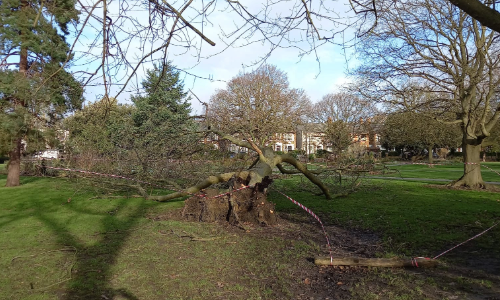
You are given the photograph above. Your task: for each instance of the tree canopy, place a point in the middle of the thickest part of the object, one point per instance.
(161, 120)
(418, 131)
(35, 88)
(157, 127)
(258, 105)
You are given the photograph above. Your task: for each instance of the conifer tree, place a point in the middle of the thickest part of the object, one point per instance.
(161, 123)
(35, 89)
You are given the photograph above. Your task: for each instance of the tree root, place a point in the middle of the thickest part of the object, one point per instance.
(463, 183)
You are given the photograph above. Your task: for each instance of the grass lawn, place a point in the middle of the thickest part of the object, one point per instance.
(58, 241)
(415, 218)
(446, 171)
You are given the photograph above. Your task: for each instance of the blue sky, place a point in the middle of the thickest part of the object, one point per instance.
(316, 79)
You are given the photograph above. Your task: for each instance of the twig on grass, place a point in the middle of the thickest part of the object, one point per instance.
(70, 271)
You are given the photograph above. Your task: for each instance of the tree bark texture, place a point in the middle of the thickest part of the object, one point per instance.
(14, 167)
(419, 262)
(472, 169)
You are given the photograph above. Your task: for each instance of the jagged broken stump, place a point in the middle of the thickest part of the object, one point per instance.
(247, 206)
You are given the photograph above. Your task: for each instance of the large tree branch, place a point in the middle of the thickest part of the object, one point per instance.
(299, 166)
(179, 15)
(291, 172)
(481, 12)
(196, 188)
(231, 138)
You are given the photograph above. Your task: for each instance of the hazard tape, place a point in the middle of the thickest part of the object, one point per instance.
(491, 169)
(105, 175)
(145, 182)
(477, 235)
(317, 218)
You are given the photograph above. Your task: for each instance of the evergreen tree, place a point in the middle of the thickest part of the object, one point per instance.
(162, 125)
(35, 90)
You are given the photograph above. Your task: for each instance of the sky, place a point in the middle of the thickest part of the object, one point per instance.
(318, 74)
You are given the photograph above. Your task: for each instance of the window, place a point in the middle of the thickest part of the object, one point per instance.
(290, 148)
(278, 147)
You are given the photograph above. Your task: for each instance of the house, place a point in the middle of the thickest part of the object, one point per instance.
(310, 138)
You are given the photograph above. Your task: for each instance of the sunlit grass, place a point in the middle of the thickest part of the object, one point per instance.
(413, 217)
(446, 171)
(59, 241)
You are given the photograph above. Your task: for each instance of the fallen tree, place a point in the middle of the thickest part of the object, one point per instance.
(256, 111)
(262, 168)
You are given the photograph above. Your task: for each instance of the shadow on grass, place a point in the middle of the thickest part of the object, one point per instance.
(91, 274)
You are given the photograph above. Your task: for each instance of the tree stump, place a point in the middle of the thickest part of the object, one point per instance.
(247, 206)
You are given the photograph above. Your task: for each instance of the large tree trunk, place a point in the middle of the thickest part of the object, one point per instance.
(472, 169)
(261, 169)
(14, 167)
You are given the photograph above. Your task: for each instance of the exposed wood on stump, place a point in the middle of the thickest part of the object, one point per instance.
(377, 262)
(245, 206)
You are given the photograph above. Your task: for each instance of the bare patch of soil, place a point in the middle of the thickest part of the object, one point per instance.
(459, 276)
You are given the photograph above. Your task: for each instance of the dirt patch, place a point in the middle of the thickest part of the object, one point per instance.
(457, 277)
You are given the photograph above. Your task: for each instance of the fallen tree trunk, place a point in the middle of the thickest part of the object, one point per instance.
(419, 262)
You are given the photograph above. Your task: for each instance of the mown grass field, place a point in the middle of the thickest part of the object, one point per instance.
(450, 171)
(61, 239)
(414, 218)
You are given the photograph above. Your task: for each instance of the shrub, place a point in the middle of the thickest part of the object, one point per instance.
(295, 153)
(320, 153)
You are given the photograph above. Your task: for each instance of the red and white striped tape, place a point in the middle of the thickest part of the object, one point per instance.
(491, 169)
(477, 235)
(105, 175)
(145, 182)
(317, 218)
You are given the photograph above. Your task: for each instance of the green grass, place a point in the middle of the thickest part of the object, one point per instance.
(447, 171)
(57, 241)
(414, 218)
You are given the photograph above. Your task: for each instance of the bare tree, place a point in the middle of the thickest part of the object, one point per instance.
(343, 106)
(430, 56)
(249, 113)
